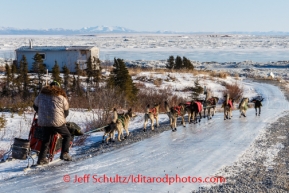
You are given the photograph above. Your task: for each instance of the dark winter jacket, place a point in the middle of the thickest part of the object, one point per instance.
(52, 107)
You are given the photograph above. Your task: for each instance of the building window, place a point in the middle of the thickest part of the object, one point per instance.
(42, 56)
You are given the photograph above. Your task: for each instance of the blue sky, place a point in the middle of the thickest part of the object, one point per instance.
(148, 15)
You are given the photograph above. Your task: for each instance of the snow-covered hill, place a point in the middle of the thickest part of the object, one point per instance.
(61, 31)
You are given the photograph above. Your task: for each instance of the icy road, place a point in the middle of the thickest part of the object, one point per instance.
(196, 150)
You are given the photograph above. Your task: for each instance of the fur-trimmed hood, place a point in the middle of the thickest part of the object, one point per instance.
(53, 91)
(52, 104)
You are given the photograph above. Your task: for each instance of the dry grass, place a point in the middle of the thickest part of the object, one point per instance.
(135, 71)
(102, 101)
(151, 96)
(236, 75)
(140, 85)
(207, 74)
(184, 71)
(3, 122)
(161, 71)
(222, 75)
(187, 89)
(157, 82)
(2, 68)
(199, 72)
(15, 104)
(213, 74)
(278, 79)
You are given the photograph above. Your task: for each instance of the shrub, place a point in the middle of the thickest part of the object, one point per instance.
(101, 102)
(150, 96)
(235, 91)
(140, 85)
(16, 103)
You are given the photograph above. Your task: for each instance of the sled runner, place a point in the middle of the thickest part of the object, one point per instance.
(35, 166)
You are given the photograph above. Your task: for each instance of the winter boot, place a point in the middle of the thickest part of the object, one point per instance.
(66, 157)
(42, 161)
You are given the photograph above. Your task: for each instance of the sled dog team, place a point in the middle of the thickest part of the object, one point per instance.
(193, 108)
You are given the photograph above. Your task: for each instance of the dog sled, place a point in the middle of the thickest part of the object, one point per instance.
(36, 136)
(23, 149)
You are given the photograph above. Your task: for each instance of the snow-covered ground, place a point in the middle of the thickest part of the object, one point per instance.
(203, 48)
(254, 55)
(197, 150)
(200, 150)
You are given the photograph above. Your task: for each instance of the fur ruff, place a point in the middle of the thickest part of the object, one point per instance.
(53, 90)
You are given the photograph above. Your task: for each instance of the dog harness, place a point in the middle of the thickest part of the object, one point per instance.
(153, 111)
(121, 118)
(211, 100)
(230, 103)
(178, 109)
(199, 104)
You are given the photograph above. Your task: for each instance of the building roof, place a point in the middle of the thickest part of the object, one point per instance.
(53, 48)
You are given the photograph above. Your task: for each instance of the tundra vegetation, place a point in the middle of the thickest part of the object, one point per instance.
(93, 90)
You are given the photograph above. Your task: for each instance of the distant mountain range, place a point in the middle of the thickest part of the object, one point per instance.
(113, 29)
(61, 31)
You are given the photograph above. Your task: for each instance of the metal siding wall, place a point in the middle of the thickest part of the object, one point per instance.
(71, 57)
(62, 57)
(29, 58)
(53, 56)
(67, 58)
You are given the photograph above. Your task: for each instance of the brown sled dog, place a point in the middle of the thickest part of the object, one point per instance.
(228, 106)
(152, 114)
(175, 112)
(119, 123)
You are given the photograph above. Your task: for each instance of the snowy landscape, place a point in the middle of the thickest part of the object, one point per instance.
(200, 150)
(242, 54)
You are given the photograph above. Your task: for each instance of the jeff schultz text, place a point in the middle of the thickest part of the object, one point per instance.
(169, 179)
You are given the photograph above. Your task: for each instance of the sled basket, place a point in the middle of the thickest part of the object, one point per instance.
(20, 148)
(36, 136)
